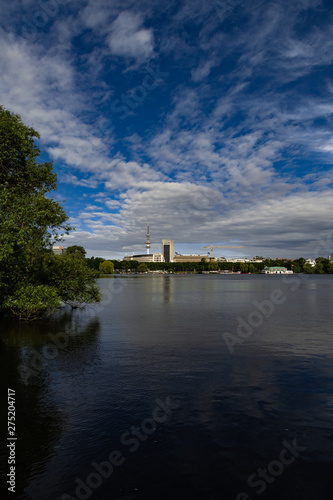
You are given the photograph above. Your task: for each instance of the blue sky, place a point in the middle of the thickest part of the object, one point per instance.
(212, 121)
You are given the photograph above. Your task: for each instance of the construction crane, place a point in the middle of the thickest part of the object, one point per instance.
(220, 246)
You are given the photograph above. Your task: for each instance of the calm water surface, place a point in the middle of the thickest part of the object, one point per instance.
(195, 387)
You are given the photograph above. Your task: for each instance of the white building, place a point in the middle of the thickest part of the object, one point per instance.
(58, 250)
(276, 270)
(153, 257)
(241, 259)
(190, 258)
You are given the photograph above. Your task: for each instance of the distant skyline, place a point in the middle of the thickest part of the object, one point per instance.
(211, 120)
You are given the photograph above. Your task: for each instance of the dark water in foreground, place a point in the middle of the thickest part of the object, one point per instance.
(147, 380)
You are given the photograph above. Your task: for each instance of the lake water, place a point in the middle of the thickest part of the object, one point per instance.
(176, 387)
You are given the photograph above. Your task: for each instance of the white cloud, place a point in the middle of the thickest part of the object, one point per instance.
(194, 214)
(204, 167)
(204, 69)
(41, 87)
(129, 39)
(124, 175)
(73, 180)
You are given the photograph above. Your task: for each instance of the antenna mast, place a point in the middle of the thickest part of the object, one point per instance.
(148, 240)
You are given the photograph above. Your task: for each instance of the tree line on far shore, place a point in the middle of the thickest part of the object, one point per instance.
(323, 266)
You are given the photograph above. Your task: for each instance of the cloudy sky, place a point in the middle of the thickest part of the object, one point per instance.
(211, 120)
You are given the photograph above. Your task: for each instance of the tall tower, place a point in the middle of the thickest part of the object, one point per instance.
(148, 240)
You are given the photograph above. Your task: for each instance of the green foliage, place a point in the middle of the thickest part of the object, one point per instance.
(31, 221)
(125, 264)
(18, 155)
(94, 262)
(142, 268)
(243, 267)
(300, 264)
(30, 217)
(106, 267)
(319, 268)
(33, 301)
(212, 266)
(329, 268)
(76, 249)
(325, 266)
(134, 264)
(198, 267)
(308, 269)
(296, 267)
(73, 280)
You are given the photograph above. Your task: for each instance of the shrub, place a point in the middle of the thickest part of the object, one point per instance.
(33, 301)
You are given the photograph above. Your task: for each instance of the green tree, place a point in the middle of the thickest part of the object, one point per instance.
(142, 268)
(243, 267)
(251, 269)
(94, 262)
(301, 262)
(76, 249)
(125, 264)
(134, 264)
(319, 268)
(31, 221)
(203, 265)
(295, 267)
(212, 266)
(329, 268)
(106, 267)
(74, 280)
(308, 269)
(325, 263)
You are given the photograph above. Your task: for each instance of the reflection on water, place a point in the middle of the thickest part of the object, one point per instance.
(33, 357)
(86, 377)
